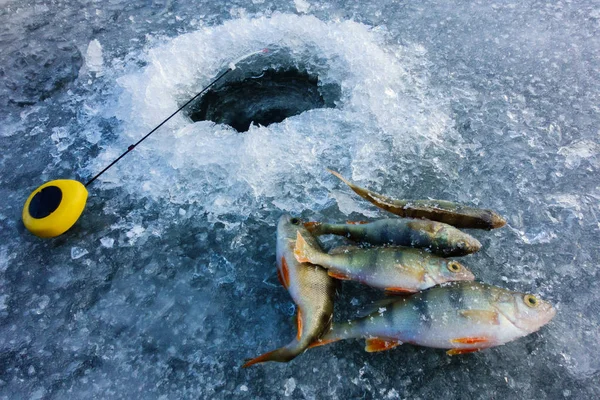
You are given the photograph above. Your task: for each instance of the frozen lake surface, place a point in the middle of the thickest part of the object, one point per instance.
(168, 282)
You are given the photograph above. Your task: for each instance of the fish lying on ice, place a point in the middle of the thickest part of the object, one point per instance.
(311, 288)
(437, 237)
(462, 316)
(395, 269)
(451, 213)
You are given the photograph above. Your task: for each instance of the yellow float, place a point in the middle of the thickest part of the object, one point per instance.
(54, 207)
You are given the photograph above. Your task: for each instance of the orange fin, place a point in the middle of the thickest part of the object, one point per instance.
(321, 342)
(481, 316)
(311, 226)
(338, 275)
(454, 352)
(299, 323)
(280, 278)
(300, 249)
(285, 273)
(357, 222)
(260, 359)
(398, 291)
(377, 344)
(470, 340)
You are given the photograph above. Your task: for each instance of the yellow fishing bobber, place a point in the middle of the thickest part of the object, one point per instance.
(54, 207)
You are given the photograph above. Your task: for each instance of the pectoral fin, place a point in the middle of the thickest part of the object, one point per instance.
(377, 344)
(338, 275)
(299, 323)
(481, 316)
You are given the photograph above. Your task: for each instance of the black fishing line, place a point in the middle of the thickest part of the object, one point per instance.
(133, 146)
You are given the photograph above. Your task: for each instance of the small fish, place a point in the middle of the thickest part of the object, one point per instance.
(395, 269)
(451, 213)
(462, 316)
(311, 288)
(437, 237)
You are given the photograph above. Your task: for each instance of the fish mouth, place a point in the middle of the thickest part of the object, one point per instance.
(264, 94)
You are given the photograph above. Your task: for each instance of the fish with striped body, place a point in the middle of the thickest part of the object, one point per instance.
(311, 288)
(451, 213)
(461, 316)
(395, 269)
(439, 238)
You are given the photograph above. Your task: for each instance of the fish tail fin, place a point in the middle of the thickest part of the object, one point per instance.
(283, 354)
(304, 251)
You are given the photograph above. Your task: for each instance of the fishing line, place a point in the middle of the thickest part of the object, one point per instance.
(54, 207)
(230, 68)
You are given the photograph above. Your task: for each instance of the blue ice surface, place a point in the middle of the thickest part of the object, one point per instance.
(167, 283)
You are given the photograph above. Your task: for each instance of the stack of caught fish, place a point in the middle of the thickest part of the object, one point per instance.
(439, 305)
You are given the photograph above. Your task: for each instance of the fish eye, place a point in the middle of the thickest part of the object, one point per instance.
(530, 300)
(295, 221)
(453, 266)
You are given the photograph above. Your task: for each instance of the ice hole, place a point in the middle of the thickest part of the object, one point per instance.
(270, 97)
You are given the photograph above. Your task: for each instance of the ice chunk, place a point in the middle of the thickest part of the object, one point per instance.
(302, 6)
(290, 386)
(107, 242)
(93, 57)
(349, 203)
(580, 150)
(78, 252)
